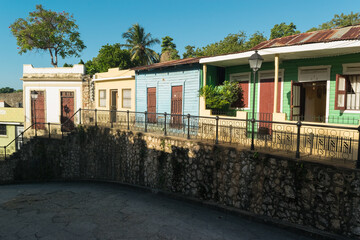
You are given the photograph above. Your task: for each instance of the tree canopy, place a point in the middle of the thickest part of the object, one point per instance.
(283, 30)
(110, 56)
(46, 30)
(139, 43)
(7, 90)
(341, 20)
(231, 43)
(168, 50)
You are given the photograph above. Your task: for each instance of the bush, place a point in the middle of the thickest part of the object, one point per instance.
(222, 96)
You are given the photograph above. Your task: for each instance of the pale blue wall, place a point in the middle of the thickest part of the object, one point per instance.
(163, 80)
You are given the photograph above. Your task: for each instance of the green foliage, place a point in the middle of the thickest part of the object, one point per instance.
(168, 51)
(189, 52)
(230, 44)
(68, 65)
(283, 30)
(46, 30)
(139, 43)
(341, 20)
(221, 97)
(254, 40)
(167, 44)
(7, 90)
(110, 56)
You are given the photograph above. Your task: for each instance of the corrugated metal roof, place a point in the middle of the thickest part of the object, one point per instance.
(328, 35)
(168, 64)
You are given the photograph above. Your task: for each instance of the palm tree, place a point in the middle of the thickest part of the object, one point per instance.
(138, 43)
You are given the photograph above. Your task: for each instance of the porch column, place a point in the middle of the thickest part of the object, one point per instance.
(276, 81)
(204, 74)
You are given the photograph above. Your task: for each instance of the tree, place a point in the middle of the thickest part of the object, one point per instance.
(189, 52)
(341, 20)
(68, 65)
(283, 30)
(254, 40)
(139, 43)
(7, 90)
(168, 50)
(46, 30)
(231, 43)
(110, 56)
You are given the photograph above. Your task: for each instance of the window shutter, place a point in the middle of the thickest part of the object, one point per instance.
(340, 92)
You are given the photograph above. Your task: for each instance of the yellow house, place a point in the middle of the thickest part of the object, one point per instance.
(114, 90)
(11, 125)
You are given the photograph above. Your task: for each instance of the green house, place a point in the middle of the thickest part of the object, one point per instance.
(11, 125)
(312, 77)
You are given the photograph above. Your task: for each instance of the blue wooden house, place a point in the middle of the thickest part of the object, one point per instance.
(171, 87)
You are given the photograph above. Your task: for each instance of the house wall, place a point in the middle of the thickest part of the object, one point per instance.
(52, 81)
(290, 68)
(52, 98)
(118, 85)
(10, 117)
(163, 80)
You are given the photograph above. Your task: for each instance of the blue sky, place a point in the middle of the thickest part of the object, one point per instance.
(196, 22)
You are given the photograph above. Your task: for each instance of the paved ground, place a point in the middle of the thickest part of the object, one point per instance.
(107, 211)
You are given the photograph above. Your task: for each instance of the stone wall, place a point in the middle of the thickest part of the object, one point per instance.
(318, 196)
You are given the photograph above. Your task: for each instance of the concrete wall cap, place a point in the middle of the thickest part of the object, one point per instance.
(77, 68)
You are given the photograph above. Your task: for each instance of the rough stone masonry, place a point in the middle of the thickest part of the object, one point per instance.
(315, 195)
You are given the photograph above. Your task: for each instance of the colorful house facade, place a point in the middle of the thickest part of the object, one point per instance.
(52, 95)
(313, 77)
(114, 90)
(11, 125)
(171, 87)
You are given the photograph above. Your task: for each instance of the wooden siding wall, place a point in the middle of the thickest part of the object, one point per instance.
(291, 73)
(186, 76)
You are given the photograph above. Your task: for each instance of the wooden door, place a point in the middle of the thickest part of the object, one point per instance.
(176, 105)
(67, 111)
(38, 110)
(113, 104)
(266, 107)
(151, 105)
(295, 101)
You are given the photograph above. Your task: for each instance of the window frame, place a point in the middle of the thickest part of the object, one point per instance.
(100, 105)
(122, 98)
(248, 77)
(1, 134)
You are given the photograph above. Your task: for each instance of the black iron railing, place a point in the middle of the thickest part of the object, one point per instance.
(44, 129)
(300, 138)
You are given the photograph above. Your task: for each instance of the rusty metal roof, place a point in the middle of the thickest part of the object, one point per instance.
(168, 64)
(328, 35)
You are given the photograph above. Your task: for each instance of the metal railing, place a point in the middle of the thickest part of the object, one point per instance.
(299, 138)
(45, 131)
(305, 139)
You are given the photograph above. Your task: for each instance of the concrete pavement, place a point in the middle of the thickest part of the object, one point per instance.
(108, 211)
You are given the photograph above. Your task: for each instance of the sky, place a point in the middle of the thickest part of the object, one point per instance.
(188, 22)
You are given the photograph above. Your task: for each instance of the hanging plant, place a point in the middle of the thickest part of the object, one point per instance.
(222, 96)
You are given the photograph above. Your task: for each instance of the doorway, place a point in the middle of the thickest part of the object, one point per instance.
(266, 106)
(113, 104)
(67, 111)
(38, 110)
(151, 105)
(176, 106)
(308, 101)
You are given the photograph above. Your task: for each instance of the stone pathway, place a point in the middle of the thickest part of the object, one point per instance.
(108, 211)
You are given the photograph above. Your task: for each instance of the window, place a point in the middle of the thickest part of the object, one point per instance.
(126, 98)
(243, 80)
(347, 95)
(102, 98)
(2, 130)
